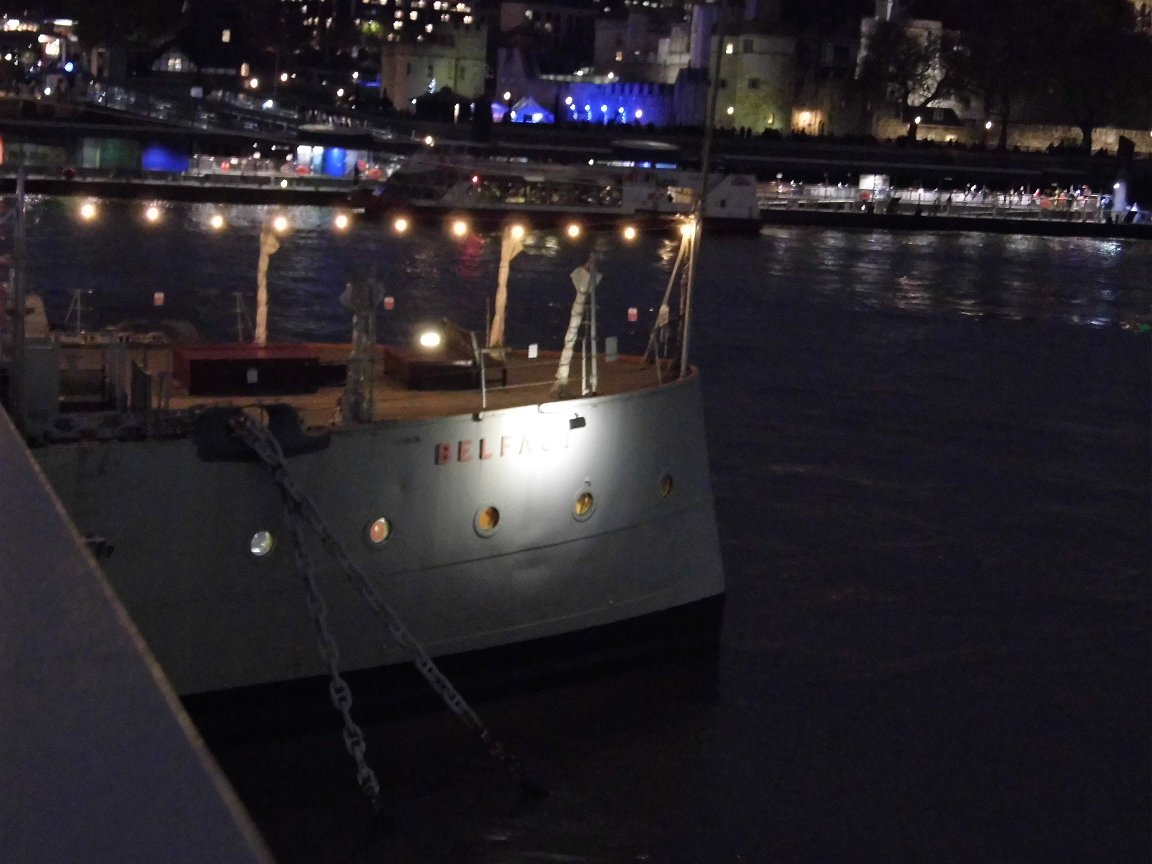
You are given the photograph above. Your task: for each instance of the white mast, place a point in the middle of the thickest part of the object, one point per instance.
(268, 246)
(584, 278)
(510, 247)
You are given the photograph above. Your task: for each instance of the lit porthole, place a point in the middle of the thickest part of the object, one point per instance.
(379, 530)
(487, 521)
(666, 485)
(583, 506)
(261, 544)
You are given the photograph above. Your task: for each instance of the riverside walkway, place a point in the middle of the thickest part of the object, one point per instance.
(99, 764)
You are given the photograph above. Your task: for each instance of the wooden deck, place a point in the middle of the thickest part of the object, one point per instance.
(512, 381)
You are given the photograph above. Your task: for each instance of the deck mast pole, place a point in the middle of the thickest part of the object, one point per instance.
(16, 380)
(511, 245)
(268, 246)
(705, 160)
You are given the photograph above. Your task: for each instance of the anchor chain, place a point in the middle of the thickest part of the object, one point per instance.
(338, 690)
(265, 445)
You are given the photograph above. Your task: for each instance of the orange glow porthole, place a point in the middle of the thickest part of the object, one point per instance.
(379, 530)
(583, 506)
(486, 521)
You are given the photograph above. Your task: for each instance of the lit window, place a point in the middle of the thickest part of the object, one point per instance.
(729, 48)
(226, 36)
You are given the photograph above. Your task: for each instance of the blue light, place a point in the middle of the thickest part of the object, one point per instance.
(156, 157)
(68, 67)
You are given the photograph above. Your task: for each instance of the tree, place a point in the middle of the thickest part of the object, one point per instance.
(103, 22)
(1005, 64)
(914, 67)
(1081, 62)
(1097, 67)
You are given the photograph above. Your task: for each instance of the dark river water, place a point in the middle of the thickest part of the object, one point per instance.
(932, 461)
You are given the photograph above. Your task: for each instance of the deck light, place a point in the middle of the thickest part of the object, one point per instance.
(629, 232)
(152, 214)
(430, 339)
(459, 228)
(429, 141)
(573, 230)
(280, 224)
(88, 211)
(688, 229)
(517, 231)
(217, 221)
(400, 225)
(341, 222)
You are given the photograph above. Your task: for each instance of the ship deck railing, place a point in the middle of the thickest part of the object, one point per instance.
(143, 394)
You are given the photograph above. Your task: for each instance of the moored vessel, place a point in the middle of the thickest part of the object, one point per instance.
(490, 192)
(485, 503)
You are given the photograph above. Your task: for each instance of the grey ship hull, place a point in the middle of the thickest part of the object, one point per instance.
(217, 618)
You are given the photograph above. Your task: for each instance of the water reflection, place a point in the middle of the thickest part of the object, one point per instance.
(123, 260)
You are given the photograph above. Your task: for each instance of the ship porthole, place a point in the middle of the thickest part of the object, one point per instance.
(486, 522)
(261, 544)
(583, 506)
(666, 485)
(379, 530)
